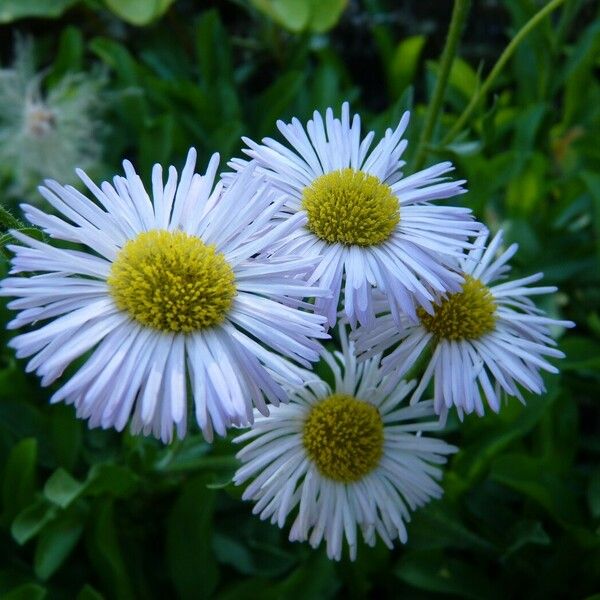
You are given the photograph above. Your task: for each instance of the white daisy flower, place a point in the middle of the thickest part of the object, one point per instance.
(168, 298)
(484, 339)
(365, 219)
(343, 457)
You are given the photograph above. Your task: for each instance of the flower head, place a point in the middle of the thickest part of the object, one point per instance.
(45, 134)
(166, 297)
(347, 456)
(372, 227)
(486, 338)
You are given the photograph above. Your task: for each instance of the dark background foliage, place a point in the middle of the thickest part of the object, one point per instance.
(95, 514)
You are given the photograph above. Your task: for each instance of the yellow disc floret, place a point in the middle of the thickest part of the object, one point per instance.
(172, 281)
(466, 315)
(351, 207)
(343, 436)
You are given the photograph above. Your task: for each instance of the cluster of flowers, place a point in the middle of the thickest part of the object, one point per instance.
(223, 292)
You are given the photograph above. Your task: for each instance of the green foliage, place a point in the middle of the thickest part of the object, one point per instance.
(95, 514)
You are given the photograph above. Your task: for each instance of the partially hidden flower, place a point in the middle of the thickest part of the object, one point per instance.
(343, 458)
(167, 299)
(373, 227)
(486, 339)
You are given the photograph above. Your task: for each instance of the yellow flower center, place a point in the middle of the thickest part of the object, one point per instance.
(172, 281)
(466, 315)
(343, 436)
(351, 207)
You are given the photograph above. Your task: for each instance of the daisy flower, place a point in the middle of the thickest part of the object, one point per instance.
(43, 133)
(167, 297)
(364, 218)
(487, 338)
(343, 457)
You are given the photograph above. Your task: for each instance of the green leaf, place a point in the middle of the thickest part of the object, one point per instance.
(404, 63)
(18, 483)
(273, 102)
(62, 489)
(314, 578)
(55, 543)
(231, 551)
(30, 521)
(431, 574)
(27, 591)
(105, 552)
(325, 14)
(87, 592)
(593, 494)
(527, 532)
(213, 50)
(592, 182)
(12, 10)
(312, 15)
(65, 436)
(110, 479)
(293, 15)
(496, 433)
(438, 526)
(532, 477)
(139, 12)
(190, 558)
(69, 57)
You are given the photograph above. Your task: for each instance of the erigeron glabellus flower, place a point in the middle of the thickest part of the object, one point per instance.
(346, 457)
(487, 338)
(43, 134)
(365, 219)
(167, 293)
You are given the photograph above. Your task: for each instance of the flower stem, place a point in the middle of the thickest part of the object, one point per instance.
(8, 221)
(459, 16)
(504, 58)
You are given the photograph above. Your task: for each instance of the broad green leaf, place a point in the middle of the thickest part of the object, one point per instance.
(30, 521)
(112, 480)
(292, 14)
(231, 551)
(463, 78)
(273, 102)
(61, 488)
(65, 436)
(438, 526)
(12, 10)
(313, 578)
(18, 483)
(69, 57)
(190, 558)
(532, 477)
(324, 14)
(403, 66)
(514, 422)
(89, 593)
(527, 532)
(139, 12)
(593, 494)
(592, 182)
(104, 550)
(303, 15)
(446, 576)
(55, 543)
(27, 591)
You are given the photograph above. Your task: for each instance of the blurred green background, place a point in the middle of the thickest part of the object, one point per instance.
(94, 514)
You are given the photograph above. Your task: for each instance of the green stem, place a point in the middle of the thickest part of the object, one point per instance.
(504, 58)
(7, 221)
(459, 16)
